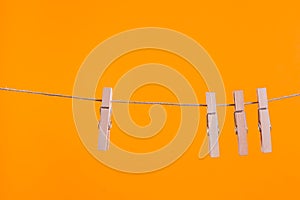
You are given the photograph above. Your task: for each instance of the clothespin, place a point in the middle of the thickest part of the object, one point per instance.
(105, 119)
(264, 124)
(241, 128)
(212, 124)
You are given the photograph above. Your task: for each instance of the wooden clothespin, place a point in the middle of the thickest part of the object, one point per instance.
(105, 119)
(212, 124)
(241, 128)
(264, 124)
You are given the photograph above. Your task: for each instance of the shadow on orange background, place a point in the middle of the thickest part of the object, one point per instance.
(43, 44)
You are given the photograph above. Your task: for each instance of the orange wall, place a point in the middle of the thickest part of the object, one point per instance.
(254, 44)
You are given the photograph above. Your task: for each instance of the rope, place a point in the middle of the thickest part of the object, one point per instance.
(137, 102)
(49, 94)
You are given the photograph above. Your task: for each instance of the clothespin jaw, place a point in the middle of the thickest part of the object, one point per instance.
(240, 122)
(264, 124)
(105, 119)
(212, 124)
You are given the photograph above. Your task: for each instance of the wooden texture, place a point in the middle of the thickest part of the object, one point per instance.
(212, 124)
(105, 119)
(240, 122)
(264, 120)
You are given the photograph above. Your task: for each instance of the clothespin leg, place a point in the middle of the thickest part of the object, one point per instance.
(242, 134)
(266, 143)
(213, 133)
(103, 142)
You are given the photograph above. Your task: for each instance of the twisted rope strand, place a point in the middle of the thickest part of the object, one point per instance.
(137, 102)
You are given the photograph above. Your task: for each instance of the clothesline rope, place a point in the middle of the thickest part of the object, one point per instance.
(136, 102)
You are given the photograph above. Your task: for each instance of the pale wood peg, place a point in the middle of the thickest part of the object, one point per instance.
(105, 120)
(264, 124)
(212, 124)
(241, 128)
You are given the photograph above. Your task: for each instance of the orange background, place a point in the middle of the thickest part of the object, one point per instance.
(254, 44)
